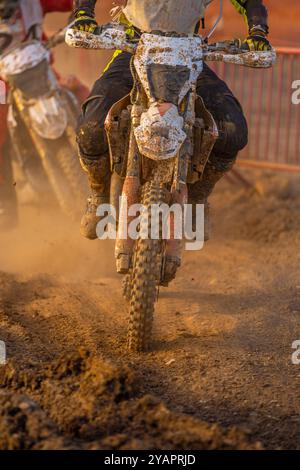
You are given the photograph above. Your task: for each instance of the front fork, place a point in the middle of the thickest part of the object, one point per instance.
(175, 178)
(179, 191)
(130, 196)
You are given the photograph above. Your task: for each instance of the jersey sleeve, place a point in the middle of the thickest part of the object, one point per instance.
(254, 12)
(85, 4)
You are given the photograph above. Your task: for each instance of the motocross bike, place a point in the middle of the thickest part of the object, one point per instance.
(160, 139)
(42, 120)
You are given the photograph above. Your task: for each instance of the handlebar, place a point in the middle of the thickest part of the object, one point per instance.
(110, 36)
(230, 52)
(113, 36)
(57, 39)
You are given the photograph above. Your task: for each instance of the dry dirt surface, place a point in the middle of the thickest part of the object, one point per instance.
(220, 375)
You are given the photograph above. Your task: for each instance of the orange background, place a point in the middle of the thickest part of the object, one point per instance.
(284, 31)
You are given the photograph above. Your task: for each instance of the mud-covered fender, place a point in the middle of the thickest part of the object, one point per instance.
(160, 135)
(48, 117)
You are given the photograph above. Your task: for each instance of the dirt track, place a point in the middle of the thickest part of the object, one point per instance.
(223, 336)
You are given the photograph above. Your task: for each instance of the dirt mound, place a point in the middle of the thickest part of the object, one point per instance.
(269, 214)
(222, 335)
(96, 405)
(23, 425)
(270, 222)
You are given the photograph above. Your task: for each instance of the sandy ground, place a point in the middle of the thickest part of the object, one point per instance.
(223, 335)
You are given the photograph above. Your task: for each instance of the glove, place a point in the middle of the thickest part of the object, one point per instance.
(257, 40)
(85, 21)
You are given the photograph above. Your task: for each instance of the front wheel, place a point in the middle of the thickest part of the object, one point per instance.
(146, 273)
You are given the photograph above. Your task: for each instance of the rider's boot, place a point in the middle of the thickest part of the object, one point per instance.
(200, 191)
(99, 174)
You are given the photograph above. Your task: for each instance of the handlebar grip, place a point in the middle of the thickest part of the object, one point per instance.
(253, 59)
(103, 38)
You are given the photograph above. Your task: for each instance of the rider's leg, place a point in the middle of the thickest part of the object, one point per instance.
(233, 136)
(115, 83)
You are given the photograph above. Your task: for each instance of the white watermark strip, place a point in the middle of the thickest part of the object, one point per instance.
(174, 222)
(296, 354)
(2, 353)
(296, 93)
(2, 92)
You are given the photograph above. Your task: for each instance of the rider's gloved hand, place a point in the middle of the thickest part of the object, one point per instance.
(257, 40)
(85, 21)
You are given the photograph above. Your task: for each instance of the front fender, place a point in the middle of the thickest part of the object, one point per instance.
(160, 135)
(48, 117)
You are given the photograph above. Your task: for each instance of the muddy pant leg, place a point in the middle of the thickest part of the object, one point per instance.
(233, 132)
(115, 83)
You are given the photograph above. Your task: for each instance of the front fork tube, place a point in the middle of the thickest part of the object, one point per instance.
(179, 191)
(179, 196)
(131, 193)
(130, 196)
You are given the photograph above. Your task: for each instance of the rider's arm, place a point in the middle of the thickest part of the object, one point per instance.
(87, 5)
(254, 12)
(84, 14)
(256, 16)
